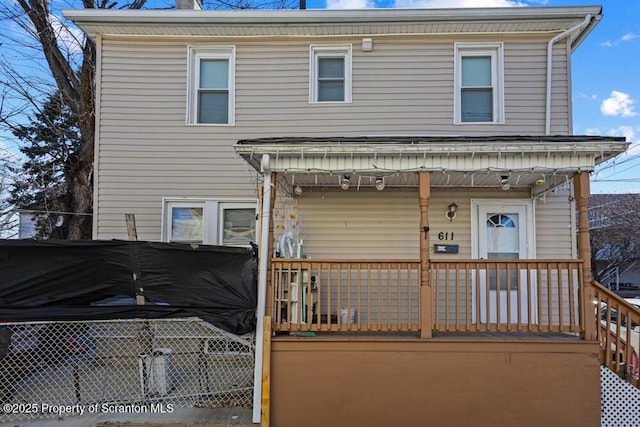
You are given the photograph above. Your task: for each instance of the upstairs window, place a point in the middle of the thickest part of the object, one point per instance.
(330, 73)
(211, 85)
(210, 222)
(479, 83)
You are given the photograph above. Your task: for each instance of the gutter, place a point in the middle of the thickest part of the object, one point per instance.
(320, 16)
(263, 258)
(609, 145)
(567, 33)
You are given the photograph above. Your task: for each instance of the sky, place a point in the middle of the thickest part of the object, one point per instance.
(605, 79)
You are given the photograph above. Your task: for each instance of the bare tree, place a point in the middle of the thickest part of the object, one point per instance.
(41, 37)
(42, 54)
(614, 227)
(8, 215)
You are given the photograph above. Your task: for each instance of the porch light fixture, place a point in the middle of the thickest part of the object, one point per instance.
(504, 183)
(451, 211)
(379, 184)
(297, 190)
(345, 183)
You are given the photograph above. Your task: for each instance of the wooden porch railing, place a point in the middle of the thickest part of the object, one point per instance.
(345, 295)
(618, 332)
(468, 295)
(506, 295)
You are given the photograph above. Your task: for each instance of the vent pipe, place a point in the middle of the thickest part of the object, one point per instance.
(189, 4)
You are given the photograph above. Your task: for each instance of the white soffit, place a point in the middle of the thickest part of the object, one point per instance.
(251, 23)
(462, 156)
(399, 163)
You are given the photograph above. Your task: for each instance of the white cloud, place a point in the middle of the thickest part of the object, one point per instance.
(629, 36)
(350, 4)
(457, 3)
(588, 97)
(618, 104)
(627, 131)
(625, 38)
(70, 38)
(6, 155)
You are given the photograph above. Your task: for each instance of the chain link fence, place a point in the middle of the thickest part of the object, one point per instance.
(71, 368)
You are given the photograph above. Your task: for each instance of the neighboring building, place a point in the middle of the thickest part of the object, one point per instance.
(421, 184)
(613, 221)
(28, 225)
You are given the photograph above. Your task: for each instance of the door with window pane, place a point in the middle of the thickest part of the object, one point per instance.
(507, 294)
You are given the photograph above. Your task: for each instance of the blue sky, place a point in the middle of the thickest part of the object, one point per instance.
(606, 75)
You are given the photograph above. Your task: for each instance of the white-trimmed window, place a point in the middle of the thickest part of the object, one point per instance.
(211, 222)
(479, 83)
(330, 73)
(211, 85)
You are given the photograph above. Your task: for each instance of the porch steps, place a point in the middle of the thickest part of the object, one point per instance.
(619, 400)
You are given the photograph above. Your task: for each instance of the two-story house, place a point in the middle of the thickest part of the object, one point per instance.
(411, 178)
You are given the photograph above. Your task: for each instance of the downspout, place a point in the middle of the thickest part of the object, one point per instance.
(263, 259)
(566, 33)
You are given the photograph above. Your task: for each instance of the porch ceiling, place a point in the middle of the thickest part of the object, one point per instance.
(533, 161)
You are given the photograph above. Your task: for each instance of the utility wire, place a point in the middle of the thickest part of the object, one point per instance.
(51, 212)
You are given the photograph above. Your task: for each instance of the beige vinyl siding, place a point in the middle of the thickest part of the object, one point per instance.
(561, 123)
(147, 152)
(362, 224)
(555, 226)
(555, 238)
(370, 224)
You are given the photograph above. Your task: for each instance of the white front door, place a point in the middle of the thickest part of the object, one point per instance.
(505, 231)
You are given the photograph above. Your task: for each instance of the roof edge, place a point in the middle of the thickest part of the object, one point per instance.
(332, 16)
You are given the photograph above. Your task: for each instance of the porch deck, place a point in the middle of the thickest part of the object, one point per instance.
(437, 336)
(400, 379)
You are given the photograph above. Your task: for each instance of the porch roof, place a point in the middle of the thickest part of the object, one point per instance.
(454, 160)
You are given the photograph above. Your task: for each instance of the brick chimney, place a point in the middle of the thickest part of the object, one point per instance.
(189, 4)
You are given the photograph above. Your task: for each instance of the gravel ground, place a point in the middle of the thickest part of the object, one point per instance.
(196, 417)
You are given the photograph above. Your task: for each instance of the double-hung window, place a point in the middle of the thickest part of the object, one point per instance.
(330, 73)
(211, 222)
(479, 82)
(211, 85)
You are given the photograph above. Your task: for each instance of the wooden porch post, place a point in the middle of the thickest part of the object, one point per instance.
(426, 296)
(270, 296)
(582, 192)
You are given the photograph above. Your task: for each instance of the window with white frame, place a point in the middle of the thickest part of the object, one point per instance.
(211, 85)
(211, 222)
(330, 73)
(479, 83)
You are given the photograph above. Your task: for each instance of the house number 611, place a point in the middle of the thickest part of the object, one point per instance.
(445, 236)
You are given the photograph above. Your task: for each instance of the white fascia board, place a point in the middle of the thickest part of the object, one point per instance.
(325, 15)
(441, 148)
(526, 157)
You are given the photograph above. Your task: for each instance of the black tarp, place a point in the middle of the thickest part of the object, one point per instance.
(66, 280)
